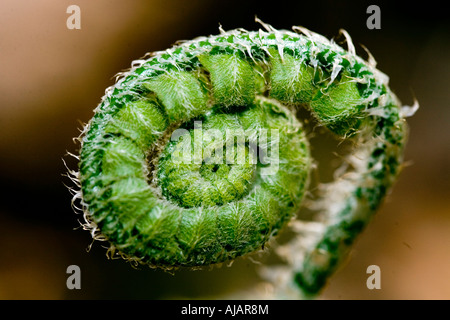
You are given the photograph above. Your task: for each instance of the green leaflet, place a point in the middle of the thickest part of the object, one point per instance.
(180, 94)
(232, 79)
(195, 156)
(291, 79)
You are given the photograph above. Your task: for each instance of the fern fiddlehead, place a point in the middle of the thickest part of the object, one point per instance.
(151, 186)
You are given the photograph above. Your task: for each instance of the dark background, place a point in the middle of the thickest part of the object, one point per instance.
(52, 78)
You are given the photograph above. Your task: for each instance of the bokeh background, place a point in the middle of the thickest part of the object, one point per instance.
(52, 78)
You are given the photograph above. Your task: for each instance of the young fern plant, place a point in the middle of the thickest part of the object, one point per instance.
(148, 183)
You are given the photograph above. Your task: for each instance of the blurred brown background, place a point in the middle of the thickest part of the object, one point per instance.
(52, 78)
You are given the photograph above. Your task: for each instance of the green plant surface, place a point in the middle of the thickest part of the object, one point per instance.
(156, 208)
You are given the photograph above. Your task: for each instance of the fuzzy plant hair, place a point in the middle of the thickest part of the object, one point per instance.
(154, 205)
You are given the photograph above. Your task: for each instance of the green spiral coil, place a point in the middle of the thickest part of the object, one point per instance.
(195, 155)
